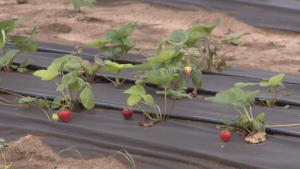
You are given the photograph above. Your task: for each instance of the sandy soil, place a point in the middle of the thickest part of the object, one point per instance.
(29, 153)
(269, 50)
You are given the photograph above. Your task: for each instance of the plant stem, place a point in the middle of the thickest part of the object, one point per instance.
(165, 112)
(107, 78)
(61, 91)
(157, 116)
(3, 156)
(132, 75)
(187, 81)
(278, 126)
(125, 55)
(171, 109)
(247, 114)
(12, 105)
(271, 97)
(238, 110)
(228, 51)
(144, 111)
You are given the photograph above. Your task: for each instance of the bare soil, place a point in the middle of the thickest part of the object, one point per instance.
(30, 153)
(269, 50)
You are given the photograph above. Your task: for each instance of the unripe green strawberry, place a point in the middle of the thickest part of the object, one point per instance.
(55, 117)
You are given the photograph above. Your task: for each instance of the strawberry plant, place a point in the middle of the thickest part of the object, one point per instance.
(24, 44)
(273, 82)
(164, 77)
(246, 124)
(1, 147)
(70, 82)
(116, 42)
(115, 68)
(234, 40)
(79, 3)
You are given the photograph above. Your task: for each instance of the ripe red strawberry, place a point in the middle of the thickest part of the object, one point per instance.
(225, 135)
(65, 116)
(127, 113)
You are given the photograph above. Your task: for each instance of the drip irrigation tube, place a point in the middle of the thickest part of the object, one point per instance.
(174, 116)
(132, 81)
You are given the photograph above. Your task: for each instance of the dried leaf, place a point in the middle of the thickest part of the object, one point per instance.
(146, 124)
(256, 138)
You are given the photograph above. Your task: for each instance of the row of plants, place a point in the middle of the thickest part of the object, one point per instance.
(179, 59)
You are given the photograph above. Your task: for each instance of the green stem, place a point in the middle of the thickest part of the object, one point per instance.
(165, 102)
(271, 97)
(278, 126)
(187, 81)
(61, 92)
(247, 114)
(107, 78)
(3, 156)
(125, 55)
(171, 109)
(144, 112)
(131, 75)
(238, 110)
(4, 50)
(117, 77)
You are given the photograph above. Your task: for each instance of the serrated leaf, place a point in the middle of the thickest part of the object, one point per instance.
(87, 98)
(78, 85)
(98, 61)
(134, 99)
(228, 122)
(197, 78)
(144, 66)
(275, 80)
(288, 94)
(149, 100)
(136, 90)
(44, 103)
(45, 74)
(101, 42)
(72, 65)
(87, 67)
(256, 125)
(65, 79)
(164, 56)
(5, 24)
(25, 63)
(178, 37)
(7, 57)
(28, 48)
(125, 31)
(242, 85)
(260, 117)
(58, 101)
(26, 100)
(233, 96)
(161, 76)
(61, 87)
(21, 70)
(178, 95)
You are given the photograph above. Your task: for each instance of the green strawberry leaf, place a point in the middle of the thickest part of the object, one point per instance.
(134, 99)
(228, 122)
(178, 37)
(136, 90)
(25, 63)
(78, 85)
(87, 67)
(58, 101)
(242, 85)
(197, 78)
(260, 117)
(87, 98)
(149, 100)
